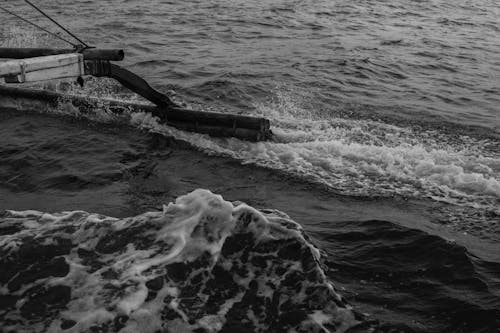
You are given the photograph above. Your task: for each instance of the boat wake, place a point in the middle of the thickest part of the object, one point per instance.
(365, 157)
(360, 157)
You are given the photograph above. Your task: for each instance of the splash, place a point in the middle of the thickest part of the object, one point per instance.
(203, 264)
(364, 157)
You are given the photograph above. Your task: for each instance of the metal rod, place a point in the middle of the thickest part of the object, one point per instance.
(55, 22)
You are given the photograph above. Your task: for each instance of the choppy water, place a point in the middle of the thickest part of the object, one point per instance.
(387, 112)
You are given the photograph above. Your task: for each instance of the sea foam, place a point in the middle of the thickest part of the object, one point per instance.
(361, 157)
(202, 264)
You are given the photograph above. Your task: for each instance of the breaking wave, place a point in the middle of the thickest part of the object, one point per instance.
(365, 157)
(203, 264)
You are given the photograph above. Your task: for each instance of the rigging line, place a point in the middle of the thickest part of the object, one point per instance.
(39, 27)
(56, 23)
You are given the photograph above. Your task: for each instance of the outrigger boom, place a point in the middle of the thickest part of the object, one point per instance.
(88, 54)
(45, 64)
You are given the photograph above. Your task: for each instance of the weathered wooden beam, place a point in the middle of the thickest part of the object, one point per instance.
(88, 54)
(42, 68)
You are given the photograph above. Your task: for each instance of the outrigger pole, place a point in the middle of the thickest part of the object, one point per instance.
(45, 64)
(88, 53)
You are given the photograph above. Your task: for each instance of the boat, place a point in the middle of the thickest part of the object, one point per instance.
(25, 65)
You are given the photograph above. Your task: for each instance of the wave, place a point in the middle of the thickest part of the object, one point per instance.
(202, 264)
(381, 264)
(362, 157)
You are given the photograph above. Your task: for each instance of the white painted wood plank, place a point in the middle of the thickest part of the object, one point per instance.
(67, 71)
(13, 67)
(9, 68)
(43, 68)
(35, 64)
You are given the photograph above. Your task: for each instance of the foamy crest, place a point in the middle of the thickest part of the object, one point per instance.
(366, 158)
(200, 265)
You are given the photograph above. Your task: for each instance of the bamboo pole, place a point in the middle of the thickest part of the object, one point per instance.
(212, 123)
(88, 54)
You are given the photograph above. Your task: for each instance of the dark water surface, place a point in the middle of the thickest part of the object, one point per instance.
(387, 148)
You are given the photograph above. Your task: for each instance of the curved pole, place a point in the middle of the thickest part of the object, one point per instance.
(129, 80)
(140, 86)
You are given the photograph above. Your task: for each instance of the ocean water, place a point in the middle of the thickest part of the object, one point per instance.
(386, 145)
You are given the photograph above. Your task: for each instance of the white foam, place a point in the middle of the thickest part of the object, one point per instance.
(363, 157)
(108, 278)
(133, 300)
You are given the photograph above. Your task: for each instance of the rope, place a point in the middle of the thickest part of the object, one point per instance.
(56, 23)
(37, 26)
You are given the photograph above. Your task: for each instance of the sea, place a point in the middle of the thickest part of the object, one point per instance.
(383, 172)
